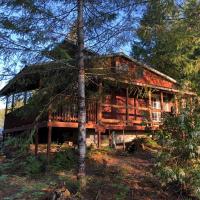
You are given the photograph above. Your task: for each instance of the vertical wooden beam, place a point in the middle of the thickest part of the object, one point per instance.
(124, 147)
(36, 142)
(99, 111)
(110, 138)
(6, 109)
(150, 111)
(162, 101)
(176, 104)
(49, 142)
(99, 139)
(13, 100)
(135, 108)
(25, 97)
(127, 111)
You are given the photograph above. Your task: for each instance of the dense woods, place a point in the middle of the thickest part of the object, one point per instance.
(65, 52)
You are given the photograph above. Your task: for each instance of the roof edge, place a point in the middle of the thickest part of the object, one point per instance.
(142, 65)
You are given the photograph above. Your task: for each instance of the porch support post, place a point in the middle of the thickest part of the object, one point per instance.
(161, 103)
(25, 97)
(135, 108)
(124, 145)
(99, 139)
(13, 99)
(150, 111)
(176, 104)
(110, 138)
(49, 142)
(127, 113)
(36, 142)
(99, 112)
(6, 109)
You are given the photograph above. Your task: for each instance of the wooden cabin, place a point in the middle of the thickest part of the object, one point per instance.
(124, 96)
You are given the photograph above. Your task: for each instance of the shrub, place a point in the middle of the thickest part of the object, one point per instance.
(64, 160)
(178, 162)
(35, 166)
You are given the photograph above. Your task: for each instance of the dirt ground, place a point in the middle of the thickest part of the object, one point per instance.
(111, 175)
(134, 175)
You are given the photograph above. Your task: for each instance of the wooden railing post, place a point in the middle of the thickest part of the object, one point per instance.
(36, 142)
(50, 114)
(25, 97)
(49, 142)
(127, 111)
(162, 103)
(99, 139)
(6, 109)
(13, 99)
(135, 107)
(150, 110)
(99, 110)
(176, 104)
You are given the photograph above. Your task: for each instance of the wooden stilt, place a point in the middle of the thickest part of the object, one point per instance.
(6, 109)
(135, 108)
(49, 142)
(124, 146)
(110, 138)
(150, 110)
(25, 97)
(127, 110)
(162, 104)
(99, 139)
(36, 142)
(13, 101)
(176, 105)
(99, 109)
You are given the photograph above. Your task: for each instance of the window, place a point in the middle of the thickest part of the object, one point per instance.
(156, 115)
(122, 67)
(156, 104)
(139, 73)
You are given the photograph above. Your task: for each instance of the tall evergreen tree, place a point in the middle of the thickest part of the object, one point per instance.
(29, 29)
(167, 37)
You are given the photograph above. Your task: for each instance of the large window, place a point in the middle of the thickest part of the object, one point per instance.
(156, 115)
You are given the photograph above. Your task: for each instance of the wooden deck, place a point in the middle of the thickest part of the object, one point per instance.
(126, 114)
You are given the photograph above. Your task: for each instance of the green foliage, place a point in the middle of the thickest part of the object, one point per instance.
(122, 191)
(19, 145)
(178, 162)
(35, 166)
(168, 39)
(64, 160)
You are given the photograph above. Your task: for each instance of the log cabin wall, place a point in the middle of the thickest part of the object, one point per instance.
(143, 75)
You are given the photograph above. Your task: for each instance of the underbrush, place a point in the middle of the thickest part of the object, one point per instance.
(178, 163)
(64, 160)
(143, 143)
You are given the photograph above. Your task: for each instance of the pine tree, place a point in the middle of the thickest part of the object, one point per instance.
(167, 38)
(30, 28)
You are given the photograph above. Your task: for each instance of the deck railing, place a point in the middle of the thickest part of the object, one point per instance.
(65, 109)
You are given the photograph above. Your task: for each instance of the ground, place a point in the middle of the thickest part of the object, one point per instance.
(111, 175)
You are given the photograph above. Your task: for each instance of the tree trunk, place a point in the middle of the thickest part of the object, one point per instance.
(81, 94)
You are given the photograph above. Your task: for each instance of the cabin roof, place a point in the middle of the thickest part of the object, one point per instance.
(120, 54)
(32, 73)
